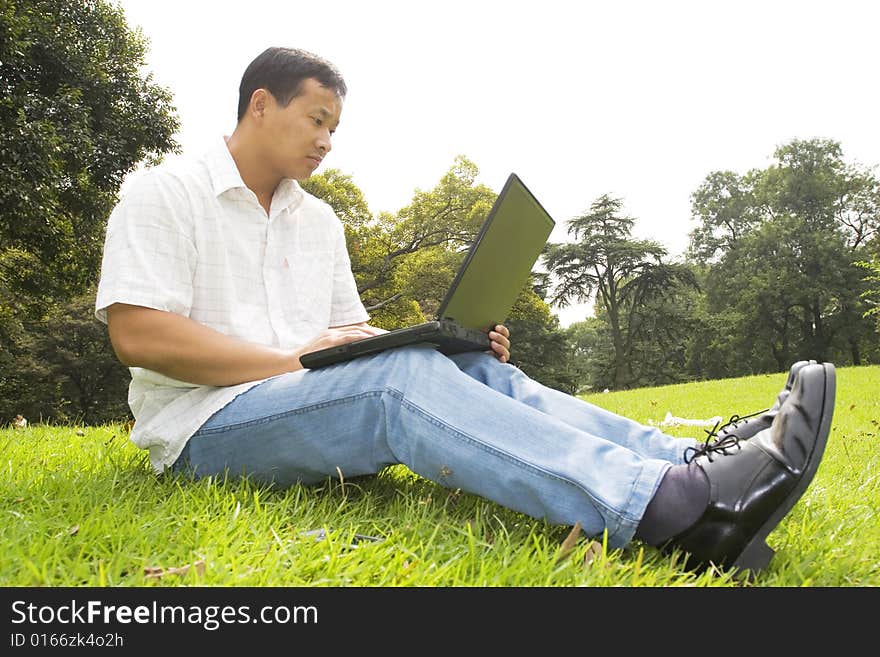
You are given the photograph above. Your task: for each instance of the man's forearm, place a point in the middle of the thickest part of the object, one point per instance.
(183, 349)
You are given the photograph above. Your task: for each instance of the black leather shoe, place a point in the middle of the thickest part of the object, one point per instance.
(744, 427)
(754, 483)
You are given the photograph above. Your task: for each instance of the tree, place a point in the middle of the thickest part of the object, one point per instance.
(781, 244)
(438, 225)
(339, 191)
(69, 372)
(624, 274)
(726, 207)
(660, 343)
(76, 116)
(871, 294)
(591, 354)
(870, 267)
(404, 262)
(538, 347)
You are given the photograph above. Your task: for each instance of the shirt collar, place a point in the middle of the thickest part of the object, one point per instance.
(221, 167)
(225, 176)
(287, 194)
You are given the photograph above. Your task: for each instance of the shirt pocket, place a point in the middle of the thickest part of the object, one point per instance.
(310, 288)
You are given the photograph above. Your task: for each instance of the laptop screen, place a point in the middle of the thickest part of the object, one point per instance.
(500, 259)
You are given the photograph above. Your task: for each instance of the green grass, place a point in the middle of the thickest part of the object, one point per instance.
(81, 507)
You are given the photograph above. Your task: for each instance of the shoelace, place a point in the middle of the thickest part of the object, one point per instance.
(713, 444)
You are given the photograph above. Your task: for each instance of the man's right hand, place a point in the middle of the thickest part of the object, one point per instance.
(338, 335)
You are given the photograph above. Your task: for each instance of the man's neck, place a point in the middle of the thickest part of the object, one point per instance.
(252, 168)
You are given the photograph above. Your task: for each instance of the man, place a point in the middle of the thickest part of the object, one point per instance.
(219, 274)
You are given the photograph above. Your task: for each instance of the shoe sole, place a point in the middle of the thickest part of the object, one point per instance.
(757, 554)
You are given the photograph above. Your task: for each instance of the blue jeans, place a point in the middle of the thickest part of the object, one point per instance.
(467, 421)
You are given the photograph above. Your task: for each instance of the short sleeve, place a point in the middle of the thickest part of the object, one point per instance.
(149, 253)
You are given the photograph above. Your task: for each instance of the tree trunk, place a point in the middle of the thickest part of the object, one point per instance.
(855, 352)
(620, 377)
(820, 347)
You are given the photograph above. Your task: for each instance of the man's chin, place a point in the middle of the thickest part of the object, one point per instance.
(303, 174)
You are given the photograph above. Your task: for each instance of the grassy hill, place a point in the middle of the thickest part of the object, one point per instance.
(81, 507)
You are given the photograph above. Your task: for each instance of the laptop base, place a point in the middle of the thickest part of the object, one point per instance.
(446, 336)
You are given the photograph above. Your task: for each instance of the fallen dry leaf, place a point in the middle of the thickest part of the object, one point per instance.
(594, 551)
(569, 542)
(70, 531)
(159, 572)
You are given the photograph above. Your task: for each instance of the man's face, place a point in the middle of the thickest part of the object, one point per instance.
(297, 137)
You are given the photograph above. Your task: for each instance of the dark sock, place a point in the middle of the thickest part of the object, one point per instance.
(679, 502)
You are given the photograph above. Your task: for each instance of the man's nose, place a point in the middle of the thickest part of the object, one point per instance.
(324, 143)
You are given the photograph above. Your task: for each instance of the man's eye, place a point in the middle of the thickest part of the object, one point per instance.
(318, 122)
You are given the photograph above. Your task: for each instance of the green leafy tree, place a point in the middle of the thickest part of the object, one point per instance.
(781, 244)
(661, 337)
(871, 294)
(624, 274)
(404, 262)
(726, 206)
(591, 354)
(538, 346)
(714, 349)
(76, 116)
(339, 191)
(437, 228)
(69, 371)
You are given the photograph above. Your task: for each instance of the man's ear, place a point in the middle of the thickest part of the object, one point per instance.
(259, 102)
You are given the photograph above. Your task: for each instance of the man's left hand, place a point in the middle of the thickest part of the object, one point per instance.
(500, 342)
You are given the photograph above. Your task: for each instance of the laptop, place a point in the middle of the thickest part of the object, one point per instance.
(483, 291)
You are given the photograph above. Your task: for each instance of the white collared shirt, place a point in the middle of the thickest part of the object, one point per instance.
(192, 239)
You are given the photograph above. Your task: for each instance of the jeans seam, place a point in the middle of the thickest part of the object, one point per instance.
(288, 413)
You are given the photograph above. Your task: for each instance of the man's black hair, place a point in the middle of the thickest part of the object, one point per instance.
(282, 71)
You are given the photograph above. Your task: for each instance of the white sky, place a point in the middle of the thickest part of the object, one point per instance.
(637, 99)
